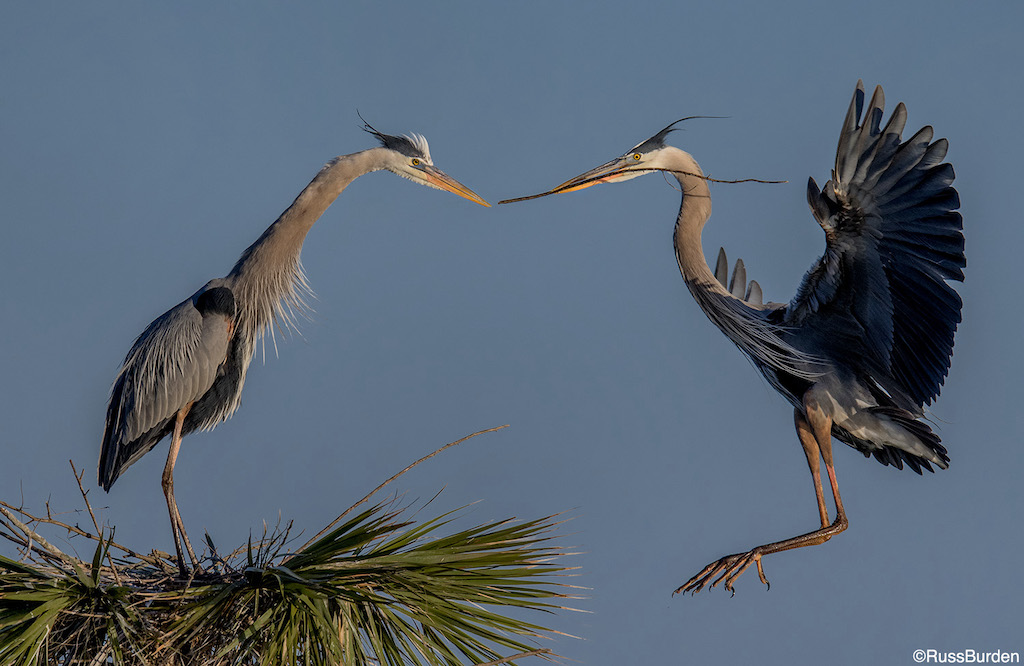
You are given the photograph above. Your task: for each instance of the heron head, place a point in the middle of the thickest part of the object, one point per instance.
(650, 155)
(409, 157)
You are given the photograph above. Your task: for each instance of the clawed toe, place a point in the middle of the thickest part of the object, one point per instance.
(727, 569)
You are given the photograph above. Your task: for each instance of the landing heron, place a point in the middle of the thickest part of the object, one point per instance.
(866, 342)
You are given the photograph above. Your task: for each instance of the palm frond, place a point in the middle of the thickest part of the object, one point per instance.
(376, 587)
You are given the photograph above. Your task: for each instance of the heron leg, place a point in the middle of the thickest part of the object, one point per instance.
(167, 481)
(814, 428)
(826, 455)
(813, 453)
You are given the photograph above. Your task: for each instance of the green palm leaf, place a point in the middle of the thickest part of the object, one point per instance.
(373, 588)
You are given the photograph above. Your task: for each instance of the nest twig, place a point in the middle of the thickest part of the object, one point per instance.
(374, 588)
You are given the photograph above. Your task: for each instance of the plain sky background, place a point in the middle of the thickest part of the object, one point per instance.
(144, 146)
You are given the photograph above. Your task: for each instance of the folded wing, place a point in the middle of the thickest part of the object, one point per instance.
(172, 364)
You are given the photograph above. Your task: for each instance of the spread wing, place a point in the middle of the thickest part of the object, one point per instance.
(878, 300)
(172, 364)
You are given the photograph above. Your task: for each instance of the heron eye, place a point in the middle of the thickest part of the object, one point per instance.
(636, 156)
(415, 162)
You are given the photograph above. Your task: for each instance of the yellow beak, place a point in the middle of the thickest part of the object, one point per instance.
(441, 180)
(607, 172)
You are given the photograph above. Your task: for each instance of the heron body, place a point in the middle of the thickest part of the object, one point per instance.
(187, 369)
(153, 385)
(866, 342)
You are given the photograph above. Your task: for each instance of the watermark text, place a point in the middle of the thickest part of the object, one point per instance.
(966, 657)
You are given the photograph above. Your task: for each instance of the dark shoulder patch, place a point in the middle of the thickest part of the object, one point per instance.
(218, 300)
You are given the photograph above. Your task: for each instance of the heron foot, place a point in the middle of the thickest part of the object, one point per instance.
(726, 569)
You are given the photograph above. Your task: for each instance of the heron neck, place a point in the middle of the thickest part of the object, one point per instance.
(283, 239)
(694, 211)
(268, 277)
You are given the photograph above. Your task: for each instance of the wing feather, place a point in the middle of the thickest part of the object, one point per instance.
(722, 267)
(171, 364)
(879, 299)
(754, 295)
(738, 285)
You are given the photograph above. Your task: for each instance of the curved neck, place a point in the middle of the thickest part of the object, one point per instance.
(268, 279)
(694, 211)
(281, 243)
(747, 327)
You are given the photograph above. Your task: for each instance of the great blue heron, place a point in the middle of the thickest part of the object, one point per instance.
(186, 371)
(866, 342)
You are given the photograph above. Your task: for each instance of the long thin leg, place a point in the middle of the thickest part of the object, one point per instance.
(826, 455)
(813, 453)
(167, 481)
(815, 433)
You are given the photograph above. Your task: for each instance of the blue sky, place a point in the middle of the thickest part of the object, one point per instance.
(145, 146)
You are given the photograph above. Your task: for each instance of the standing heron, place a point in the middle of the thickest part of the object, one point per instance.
(186, 371)
(866, 342)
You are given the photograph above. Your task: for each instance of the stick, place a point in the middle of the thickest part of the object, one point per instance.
(44, 545)
(375, 490)
(70, 528)
(99, 532)
(576, 185)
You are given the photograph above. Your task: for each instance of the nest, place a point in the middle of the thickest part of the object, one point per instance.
(372, 587)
